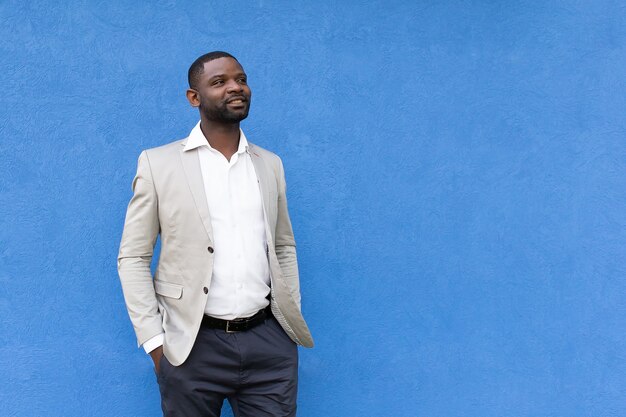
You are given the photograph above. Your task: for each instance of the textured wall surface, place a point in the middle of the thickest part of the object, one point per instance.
(456, 184)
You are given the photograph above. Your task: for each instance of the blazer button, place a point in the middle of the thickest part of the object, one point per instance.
(206, 290)
(210, 249)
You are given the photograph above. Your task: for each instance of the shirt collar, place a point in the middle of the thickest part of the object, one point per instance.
(197, 139)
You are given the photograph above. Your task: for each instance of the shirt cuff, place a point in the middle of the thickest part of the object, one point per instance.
(153, 343)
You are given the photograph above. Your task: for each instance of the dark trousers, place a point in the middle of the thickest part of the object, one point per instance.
(256, 370)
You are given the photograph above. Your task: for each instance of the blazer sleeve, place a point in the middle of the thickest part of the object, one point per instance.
(284, 242)
(141, 229)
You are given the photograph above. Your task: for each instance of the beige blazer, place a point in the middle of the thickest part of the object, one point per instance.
(169, 199)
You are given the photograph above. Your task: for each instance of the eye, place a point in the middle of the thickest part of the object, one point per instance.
(217, 82)
(242, 80)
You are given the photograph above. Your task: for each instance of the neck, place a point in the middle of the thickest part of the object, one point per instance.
(223, 137)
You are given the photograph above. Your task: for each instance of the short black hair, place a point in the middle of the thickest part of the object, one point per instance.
(197, 67)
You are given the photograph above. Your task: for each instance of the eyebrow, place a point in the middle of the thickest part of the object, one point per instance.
(224, 75)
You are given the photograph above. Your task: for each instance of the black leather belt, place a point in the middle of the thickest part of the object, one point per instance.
(237, 325)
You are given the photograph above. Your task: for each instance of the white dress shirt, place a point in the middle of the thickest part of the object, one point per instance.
(240, 281)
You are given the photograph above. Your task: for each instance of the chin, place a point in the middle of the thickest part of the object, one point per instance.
(237, 117)
(227, 116)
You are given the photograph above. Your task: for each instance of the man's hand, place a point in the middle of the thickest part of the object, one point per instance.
(156, 355)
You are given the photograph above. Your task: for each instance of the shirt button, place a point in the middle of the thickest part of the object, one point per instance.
(206, 290)
(210, 249)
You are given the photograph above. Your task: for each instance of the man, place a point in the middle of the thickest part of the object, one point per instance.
(221, 319)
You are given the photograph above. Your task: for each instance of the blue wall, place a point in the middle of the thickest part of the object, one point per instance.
(456, 179)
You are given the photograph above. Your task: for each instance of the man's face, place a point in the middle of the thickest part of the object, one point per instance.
(222, 90)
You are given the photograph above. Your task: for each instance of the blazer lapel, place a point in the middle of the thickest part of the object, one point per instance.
(262, 176)
(191, 166)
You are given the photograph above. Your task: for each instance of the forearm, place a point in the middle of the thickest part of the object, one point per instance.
(141, 303)
(287, 258)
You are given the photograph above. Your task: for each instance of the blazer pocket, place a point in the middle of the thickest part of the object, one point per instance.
(167, 289)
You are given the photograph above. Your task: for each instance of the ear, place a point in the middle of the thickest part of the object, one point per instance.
(192, 97)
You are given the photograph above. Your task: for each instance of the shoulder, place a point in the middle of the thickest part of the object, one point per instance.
(168, 148)
(165, 152)
(272, 161)
(268, 156)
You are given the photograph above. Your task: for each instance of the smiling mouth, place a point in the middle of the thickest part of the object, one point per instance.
(237, 101)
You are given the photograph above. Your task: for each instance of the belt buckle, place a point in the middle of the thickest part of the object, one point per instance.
(227, 328)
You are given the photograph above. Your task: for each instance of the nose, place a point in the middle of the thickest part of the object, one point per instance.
(234, 86)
